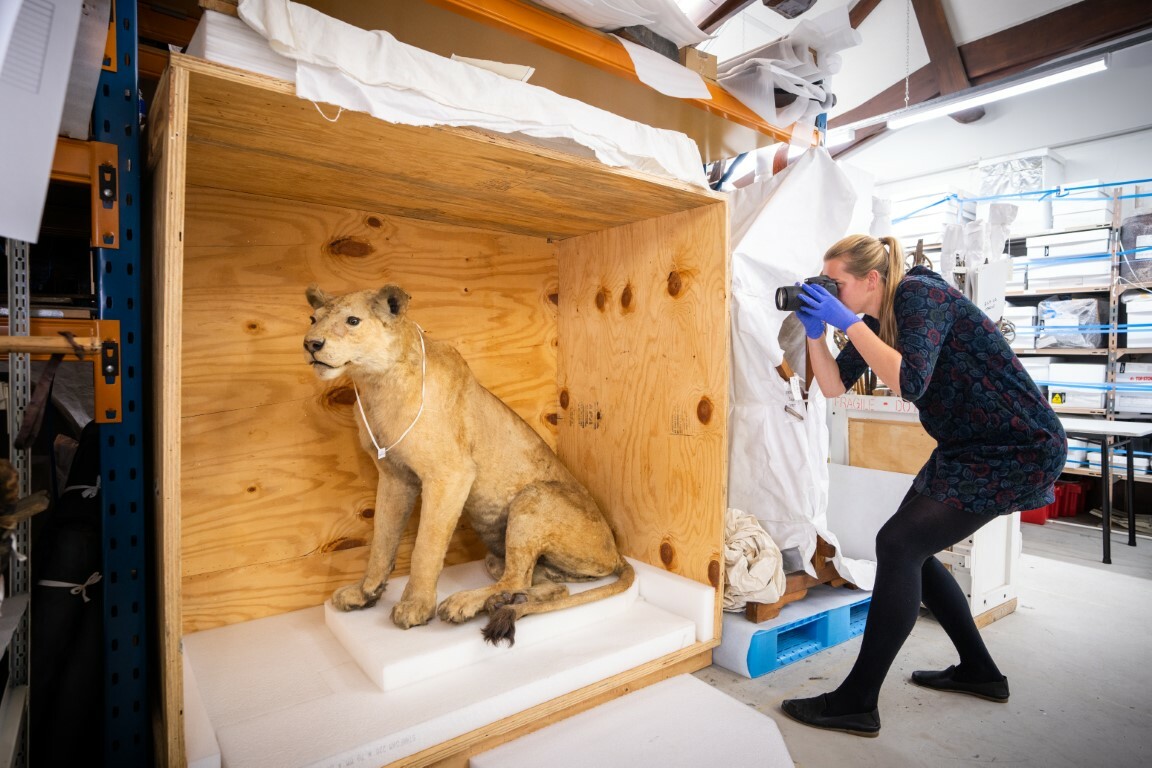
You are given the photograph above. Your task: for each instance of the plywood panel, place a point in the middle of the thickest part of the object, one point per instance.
(895, 446)
(248, 260)
(643, 363)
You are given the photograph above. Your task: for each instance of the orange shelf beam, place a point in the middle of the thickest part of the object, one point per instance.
(595, 48)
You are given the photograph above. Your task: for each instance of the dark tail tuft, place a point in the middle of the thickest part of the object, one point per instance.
(501, 626)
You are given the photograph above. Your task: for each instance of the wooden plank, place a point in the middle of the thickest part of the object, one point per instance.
(995, 614)
(643, 377)
(895, 446)
(942, 52)
(166, 159)
(861, 10)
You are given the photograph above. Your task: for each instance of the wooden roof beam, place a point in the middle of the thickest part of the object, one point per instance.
(951, 76)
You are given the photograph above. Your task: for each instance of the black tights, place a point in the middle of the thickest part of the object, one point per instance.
(908, 573)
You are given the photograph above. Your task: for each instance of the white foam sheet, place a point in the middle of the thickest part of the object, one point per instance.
(373, 72)
(282, 691)
(393, 657)
(681, 722)
(200, 745)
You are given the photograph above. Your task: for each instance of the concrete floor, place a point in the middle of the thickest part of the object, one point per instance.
(1077, 653)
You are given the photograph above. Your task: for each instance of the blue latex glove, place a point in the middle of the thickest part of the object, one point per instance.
(827, 307)
(813, 326)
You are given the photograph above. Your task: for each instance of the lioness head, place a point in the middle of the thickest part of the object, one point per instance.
(355, 331)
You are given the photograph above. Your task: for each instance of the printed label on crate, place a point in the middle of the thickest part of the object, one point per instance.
(874, 403)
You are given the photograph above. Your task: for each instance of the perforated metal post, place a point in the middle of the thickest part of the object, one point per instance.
(19, 393)
(115, 119)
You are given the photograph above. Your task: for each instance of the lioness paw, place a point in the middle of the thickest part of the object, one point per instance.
(412, 613)
(460, 607)
(352, 598)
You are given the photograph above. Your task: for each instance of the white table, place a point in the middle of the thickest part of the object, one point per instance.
(1111, 434)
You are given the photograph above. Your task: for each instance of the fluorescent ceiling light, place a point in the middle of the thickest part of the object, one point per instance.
(948, 106)
(838, 137)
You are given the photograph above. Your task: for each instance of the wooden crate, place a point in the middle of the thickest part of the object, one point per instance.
(593, 300)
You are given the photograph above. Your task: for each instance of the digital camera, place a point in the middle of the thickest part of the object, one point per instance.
(788, 296)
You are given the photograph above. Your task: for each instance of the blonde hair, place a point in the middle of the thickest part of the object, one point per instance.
(863, 253)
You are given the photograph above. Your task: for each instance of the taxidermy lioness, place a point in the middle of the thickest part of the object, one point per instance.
(436, 432)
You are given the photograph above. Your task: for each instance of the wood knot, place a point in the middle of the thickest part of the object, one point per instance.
(340, 395)
(554, 298)
(342, 543)
(667, 554)
(704, 410)
(373, 222)
(564, 399)
(253, 327)
(626, 298)
(552, 419)
(350, 246)
(601, 299)
(251, 489)
(367, 513)
(714, 573)
(675, 283)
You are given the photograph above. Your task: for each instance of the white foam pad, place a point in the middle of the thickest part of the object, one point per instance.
(282, 691)
(393, 657)
(200, 745)
(681, 722)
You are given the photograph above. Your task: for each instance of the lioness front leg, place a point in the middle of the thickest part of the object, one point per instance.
(395, 498)
(442, 504)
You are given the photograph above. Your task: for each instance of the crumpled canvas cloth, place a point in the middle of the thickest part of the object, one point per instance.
(777, 463)
(373, 72)
(753, 566)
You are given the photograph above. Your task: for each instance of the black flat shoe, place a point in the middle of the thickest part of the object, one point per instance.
(997, 690)
(811, 712)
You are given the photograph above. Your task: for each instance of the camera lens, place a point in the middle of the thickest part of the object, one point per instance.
(788, 298)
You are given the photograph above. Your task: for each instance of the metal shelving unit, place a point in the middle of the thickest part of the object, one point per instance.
(116, 245)
(127, 716)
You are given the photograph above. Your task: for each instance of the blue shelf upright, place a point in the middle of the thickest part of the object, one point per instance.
(116, 120)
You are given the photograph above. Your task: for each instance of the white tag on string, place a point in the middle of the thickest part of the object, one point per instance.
(795, 406)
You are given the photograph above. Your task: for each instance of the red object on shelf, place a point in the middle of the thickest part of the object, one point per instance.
(1070, 497)
(1039, 516)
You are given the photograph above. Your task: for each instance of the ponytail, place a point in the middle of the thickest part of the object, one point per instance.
(861, 255)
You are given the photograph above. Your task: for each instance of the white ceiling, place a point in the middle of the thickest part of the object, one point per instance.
(1110, 104)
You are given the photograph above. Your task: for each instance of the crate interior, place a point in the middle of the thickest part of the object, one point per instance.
(592, 300)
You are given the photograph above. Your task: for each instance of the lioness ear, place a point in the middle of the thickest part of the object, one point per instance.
(316, 297)
(390, 301)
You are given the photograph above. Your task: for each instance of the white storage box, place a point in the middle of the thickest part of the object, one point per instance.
(1033, 171)
(925, 216)
(1077, 453)
(1070, 259)
(1134, 375)
(1138, 308)
(1076, 385)
(1038, 369)
(1083, 207)
(1024, 320)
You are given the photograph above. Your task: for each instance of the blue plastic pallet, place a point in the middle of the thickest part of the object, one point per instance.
(825, 617)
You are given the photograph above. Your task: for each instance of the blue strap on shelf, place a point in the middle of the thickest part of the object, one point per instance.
(1059, 193)
(1093, 387)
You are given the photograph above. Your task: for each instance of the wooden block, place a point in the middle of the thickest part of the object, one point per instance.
(895, 446)
(699, 61)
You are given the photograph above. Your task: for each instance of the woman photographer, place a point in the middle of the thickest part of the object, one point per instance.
(1000, 448)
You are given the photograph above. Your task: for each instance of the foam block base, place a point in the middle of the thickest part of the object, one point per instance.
(283, 691)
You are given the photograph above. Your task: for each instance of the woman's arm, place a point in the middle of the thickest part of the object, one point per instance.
(884, 361)
(824, 367)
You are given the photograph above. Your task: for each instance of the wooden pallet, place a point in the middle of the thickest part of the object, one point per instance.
(798, 584)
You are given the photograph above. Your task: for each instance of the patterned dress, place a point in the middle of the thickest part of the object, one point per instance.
(1000, 447)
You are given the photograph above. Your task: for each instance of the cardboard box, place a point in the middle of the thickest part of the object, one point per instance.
(592, 300)
(1024, 321)
(1138, 312)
